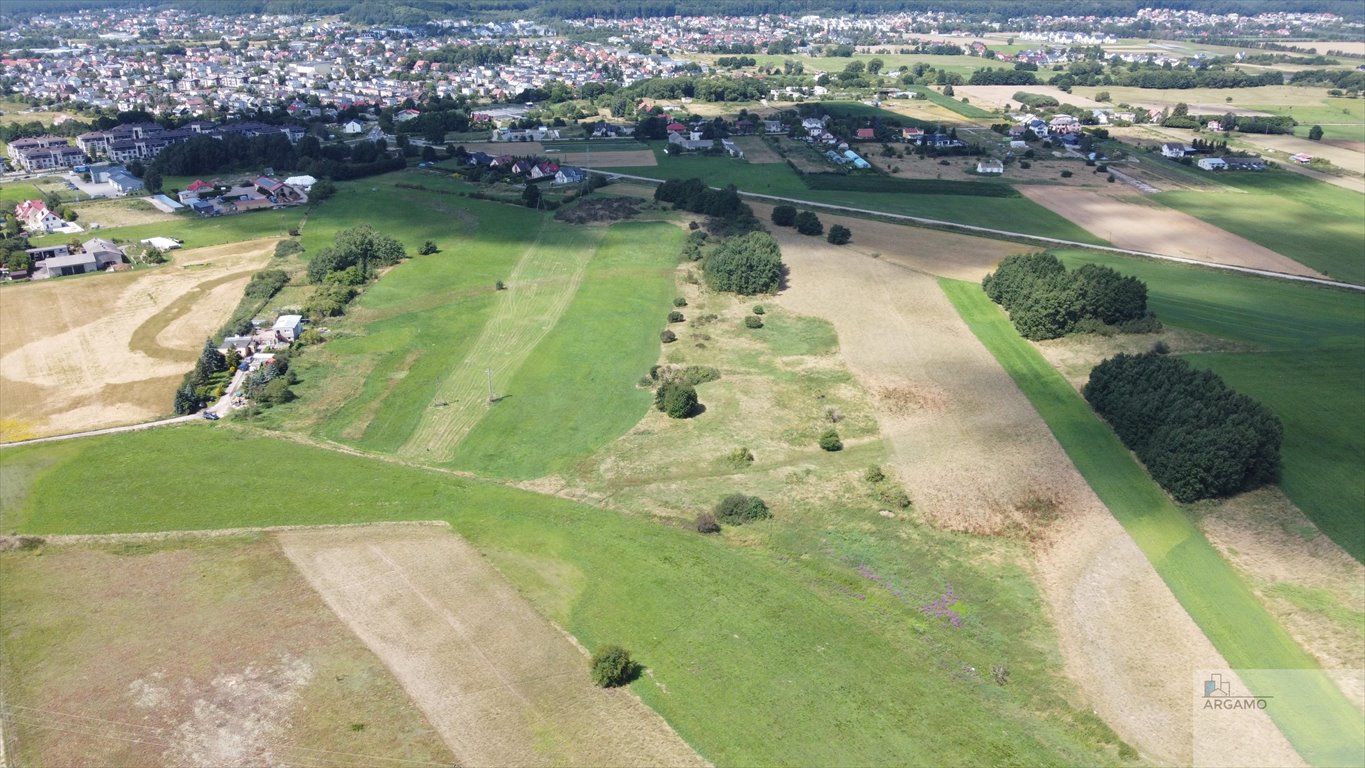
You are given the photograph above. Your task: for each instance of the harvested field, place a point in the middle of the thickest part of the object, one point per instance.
(757, 150)
(106, 350)
(1348, 157)
(599, 209)
(1123, 220)
(195, 653)
(944, 254)
(120, 212)
(949, 412)
(995, 96)
(607, 158)
(501, 684)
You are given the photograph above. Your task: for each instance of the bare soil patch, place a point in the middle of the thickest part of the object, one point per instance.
(757, 150)
(501, 684)
(599, 209)
(202, 653)
(1123, 219)
(107, 350)
(976, 457)
(121, 212)
(946, 254)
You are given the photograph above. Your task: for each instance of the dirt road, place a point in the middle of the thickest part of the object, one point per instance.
(502, 685)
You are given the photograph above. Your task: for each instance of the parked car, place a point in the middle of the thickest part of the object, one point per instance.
(211, 416)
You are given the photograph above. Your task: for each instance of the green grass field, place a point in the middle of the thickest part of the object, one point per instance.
(757, 655)
(199, 232)
(1339, 118)
(1307, 366)
(1313, 223)
(1317, 719)
(576, 391)
(1011, 213)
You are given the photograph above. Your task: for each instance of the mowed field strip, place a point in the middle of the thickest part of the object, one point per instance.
(106, 350)
(539, 289)
(501, 684)
(1317, 718)
(1126, 222)
(976, 455)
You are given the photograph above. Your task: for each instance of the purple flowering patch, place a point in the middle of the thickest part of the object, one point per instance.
(943, 608)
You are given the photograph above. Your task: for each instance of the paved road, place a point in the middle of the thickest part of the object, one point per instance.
(971, 229)
(221, 408)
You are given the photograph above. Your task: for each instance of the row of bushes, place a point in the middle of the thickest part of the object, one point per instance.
(728, 214)
(1045, 300)
(807, 223)
(1198, 437)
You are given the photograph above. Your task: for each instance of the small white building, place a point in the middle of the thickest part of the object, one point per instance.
(1175, 151)
(990, 166)
(288, 328)
(353, 127)
(1212, 163)
(163, 243)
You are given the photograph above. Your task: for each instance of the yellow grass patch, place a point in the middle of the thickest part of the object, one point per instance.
(104, 350)
(120, 212)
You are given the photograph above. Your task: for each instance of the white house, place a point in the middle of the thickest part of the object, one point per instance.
(1212, 163)
(693, 143)
(731, 148)
(36, 217)
(990, 166)
(353, 127)
(1176, 151)
(288, 328)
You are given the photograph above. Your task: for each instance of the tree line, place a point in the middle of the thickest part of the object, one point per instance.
(1198, 437)
(1045, 300)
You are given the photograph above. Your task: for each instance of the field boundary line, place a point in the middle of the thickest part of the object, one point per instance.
(209, 533)
(1022, 237)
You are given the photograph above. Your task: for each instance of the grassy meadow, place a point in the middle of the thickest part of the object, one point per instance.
(862, 677)
(1316, 224)
(1317, 719)
(1306, 365)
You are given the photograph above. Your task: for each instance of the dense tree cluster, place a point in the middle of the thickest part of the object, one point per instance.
(361, 247)
(1198, 437)
(678, 399)
(748, 265)
(729, 215)
(199, 385)
(204, 155)
(1045, 300)
(993, 76)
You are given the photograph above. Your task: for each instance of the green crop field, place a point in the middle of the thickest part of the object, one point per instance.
(1017, 214)
(584, 371)
(1316, 718)
(1313, 223)
(756, 655)
(1339, 118)
(1307, 365)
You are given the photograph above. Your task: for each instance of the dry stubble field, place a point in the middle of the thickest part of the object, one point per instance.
(976, 456)
(1124, 219)
(500, 683)
(191, 652)
(109, 349)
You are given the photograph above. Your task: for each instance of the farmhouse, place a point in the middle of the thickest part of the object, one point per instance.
(1176, 151)
(569, 175)
(696, 142)
(288, 328)
(1212, 164)
(62, 266)
(990, 166)
(35, 217)
(865, 134)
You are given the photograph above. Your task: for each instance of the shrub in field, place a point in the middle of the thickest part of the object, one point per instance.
(740, 457)
(428, 248)
(738, 509)
(706, 523)
(746, 265)
(680, 302)
(612, 666)
(839, 234)
(752, 321)
(784, 215)
(807, 223)
(1066, 174)
(675, 317)
(676, 399)
(874, 474)
(758, 309)
(1198, 437)
(499, 286)
(668, 337)
(287, 248)
(830, 441)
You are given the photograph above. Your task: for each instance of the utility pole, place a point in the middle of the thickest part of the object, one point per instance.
(489, 371)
